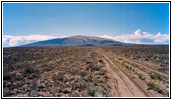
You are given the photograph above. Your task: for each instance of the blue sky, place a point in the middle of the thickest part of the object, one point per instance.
(98, 19)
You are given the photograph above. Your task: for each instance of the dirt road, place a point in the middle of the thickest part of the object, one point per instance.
(121, 84)
(126, 88)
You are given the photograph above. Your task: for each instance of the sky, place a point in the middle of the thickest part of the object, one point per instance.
(142, 23)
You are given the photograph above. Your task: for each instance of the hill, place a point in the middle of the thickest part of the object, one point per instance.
(75, 41)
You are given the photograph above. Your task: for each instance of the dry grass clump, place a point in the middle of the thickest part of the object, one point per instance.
(155, 76)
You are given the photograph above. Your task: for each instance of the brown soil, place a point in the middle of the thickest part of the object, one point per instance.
(83, 72)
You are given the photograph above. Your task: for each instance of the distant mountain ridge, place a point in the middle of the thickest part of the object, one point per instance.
(75, 41)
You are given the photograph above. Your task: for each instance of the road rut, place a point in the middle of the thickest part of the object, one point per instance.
(120, 82)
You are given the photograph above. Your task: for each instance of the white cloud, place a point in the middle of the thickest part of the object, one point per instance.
(140, 37)
(9, 40)
(137, 37)
(137, 32)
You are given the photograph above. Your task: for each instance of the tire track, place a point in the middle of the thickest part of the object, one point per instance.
(147, 68)
(126, 86)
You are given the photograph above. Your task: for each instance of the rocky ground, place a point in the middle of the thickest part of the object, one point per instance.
(85, 72)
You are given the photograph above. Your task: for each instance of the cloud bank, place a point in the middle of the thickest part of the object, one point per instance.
(139, 37)
(10, 41)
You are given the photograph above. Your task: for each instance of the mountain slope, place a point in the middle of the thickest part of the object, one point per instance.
(75, 41)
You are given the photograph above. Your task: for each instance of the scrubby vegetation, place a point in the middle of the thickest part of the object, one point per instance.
(81, 71)
(155, 76)
(141, 76)
(54, 72)
(124, 64)
(154, 86)
(158, 54)
(148, 66)
(151, 85)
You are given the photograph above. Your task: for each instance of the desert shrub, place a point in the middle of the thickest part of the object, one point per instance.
(73, 71)
(155, 76)
(100, 92)
(7, 77)
(79, 85)
(30, 70)
(151, 85)
(18, 76)
(135, 65)
(140, 76)
(89, 79)
(146, 59)
(102, 85)
(98, 81)
(96, 68)
(58, 77)
(122, 63)
(35, 75)
(100, 60)
(102, 72)
(73, 85)
(120, 59)
(158, 90)
(125, 65)
(83, 85)
(91, 92)
(134, 57)
(63, 90)
(93, 67)
(60, 90)
(143, 69)
(83, 73)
